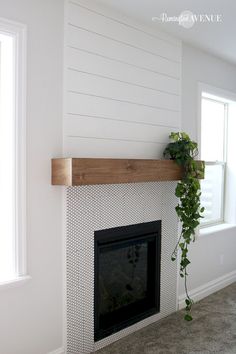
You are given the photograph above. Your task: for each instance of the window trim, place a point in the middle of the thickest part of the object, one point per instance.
(18, 31)
(226, 97)
(221, 220)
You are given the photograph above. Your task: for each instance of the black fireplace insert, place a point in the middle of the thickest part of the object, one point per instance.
(127, 276)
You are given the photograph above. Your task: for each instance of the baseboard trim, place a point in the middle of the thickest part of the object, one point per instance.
(208, 288)
(58, 351)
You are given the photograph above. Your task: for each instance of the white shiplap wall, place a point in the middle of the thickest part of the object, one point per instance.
(122, 85)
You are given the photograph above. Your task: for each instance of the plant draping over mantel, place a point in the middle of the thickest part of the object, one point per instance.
(183, 151)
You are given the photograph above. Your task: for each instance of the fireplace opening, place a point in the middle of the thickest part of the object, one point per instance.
(127, 276)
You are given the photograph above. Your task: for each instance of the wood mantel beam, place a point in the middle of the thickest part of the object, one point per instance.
(88, 171)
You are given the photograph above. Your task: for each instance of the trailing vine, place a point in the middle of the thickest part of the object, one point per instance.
(183, 151)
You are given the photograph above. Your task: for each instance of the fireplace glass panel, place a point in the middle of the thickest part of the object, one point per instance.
(123, 276)
(127, 276)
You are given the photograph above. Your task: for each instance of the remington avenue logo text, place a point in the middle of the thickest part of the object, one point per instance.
(187, 19)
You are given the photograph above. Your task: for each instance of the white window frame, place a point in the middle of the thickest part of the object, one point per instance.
(225, 97)
(221, 220)
(18, 32)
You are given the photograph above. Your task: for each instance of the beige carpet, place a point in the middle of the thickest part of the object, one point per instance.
(213, 330)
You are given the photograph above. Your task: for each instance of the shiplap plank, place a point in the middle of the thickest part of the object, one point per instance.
(128, 21)
(105, 128)
(122, 85)
(85, 147)
(96, 85)
(95, 43)
(86, 62)
(82, 104)
(106, 26)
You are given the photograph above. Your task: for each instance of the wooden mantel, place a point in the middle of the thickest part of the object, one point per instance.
(87, 171)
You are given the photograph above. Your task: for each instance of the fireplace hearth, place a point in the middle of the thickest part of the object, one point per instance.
(127, 276)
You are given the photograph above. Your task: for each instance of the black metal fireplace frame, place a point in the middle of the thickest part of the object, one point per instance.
(148, 231)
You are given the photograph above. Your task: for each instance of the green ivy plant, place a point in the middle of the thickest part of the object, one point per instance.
(183, 150)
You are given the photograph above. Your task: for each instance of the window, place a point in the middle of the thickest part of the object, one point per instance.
(213, 132)
(12, 151)
(216, 145)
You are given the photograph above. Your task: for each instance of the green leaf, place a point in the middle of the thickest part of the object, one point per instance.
(185, 136)
(188, 317)
(189, 211)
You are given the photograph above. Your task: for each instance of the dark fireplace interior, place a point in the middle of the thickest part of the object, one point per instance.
(127, 276)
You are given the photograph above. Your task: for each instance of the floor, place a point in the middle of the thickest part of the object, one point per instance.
(213, 330)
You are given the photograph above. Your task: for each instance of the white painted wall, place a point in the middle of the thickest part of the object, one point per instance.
(122, 85)
(213, 255)
(123, 98)
(31, 314)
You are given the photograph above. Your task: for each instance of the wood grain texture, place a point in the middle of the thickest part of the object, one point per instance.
(62, 172)
(88, 171)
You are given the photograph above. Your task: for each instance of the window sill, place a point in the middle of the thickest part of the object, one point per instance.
(14, 282)
(209, 230)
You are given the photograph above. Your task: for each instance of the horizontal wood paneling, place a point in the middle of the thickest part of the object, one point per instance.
(83, 104)
(116, 31)
(82, 126)
(122, 94)
(92, 63)
(100, 86)
(96, 6)
(94, 147)
(92, 42)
